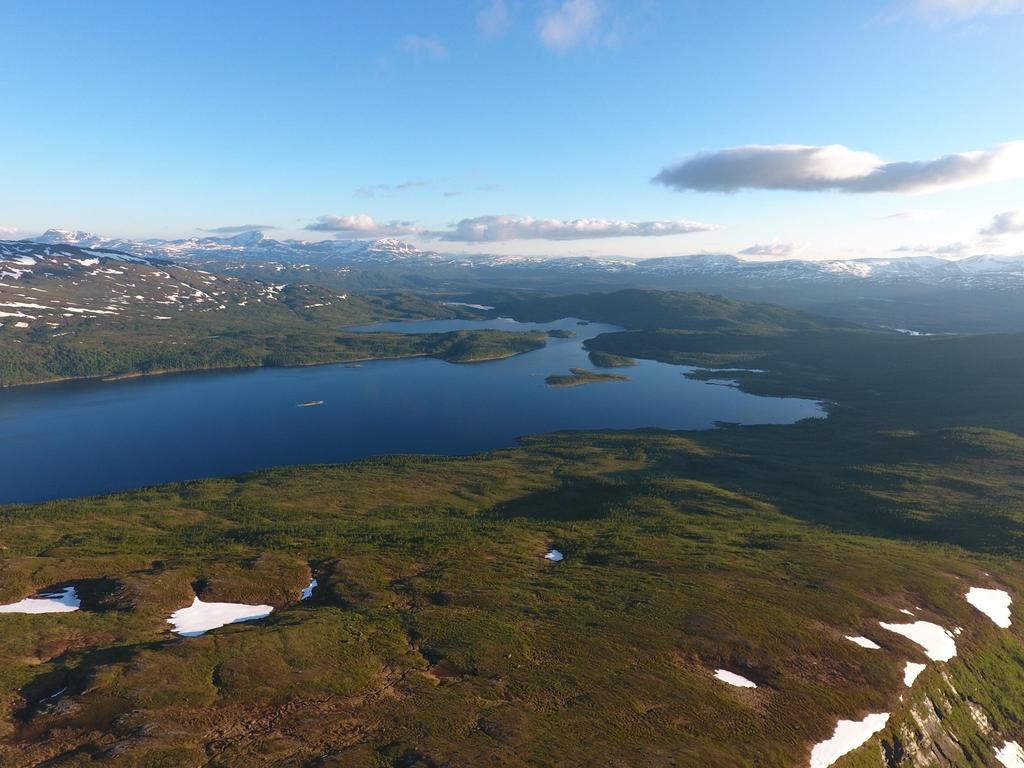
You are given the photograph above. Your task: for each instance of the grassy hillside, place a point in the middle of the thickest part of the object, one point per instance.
(608, 360)
(249, 339)
(888, 378)
(66, 312)
(441, 635)
(579, 376)
(644, 309)
(901, 304)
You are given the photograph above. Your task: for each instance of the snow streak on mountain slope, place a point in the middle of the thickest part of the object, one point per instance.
(976, 271)
(55, 286)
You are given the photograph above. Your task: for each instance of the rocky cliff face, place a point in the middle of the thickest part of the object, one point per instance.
(925, 738)
(965, 715)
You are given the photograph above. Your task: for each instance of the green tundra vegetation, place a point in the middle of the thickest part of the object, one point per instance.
(646, 309)
(580, 376)
(608, 360)
(288, 332)
(889, 378)
(440, 635)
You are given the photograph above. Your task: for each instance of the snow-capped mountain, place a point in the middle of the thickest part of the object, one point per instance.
(250, 246)
(255, 246)
(54, 287)
(22, 257)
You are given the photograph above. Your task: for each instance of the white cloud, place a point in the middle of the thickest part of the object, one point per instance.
(234, 229)
(948, 249)
(502, 228)
(371, 190)
(362, 225)
(1005, 223)
(835, 167)
(774, 249)
(571, 23)
(960, 10)
(423, 45)
(499, 228)
(916, 215)
(494, 19)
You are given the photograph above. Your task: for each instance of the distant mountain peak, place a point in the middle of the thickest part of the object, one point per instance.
(58, 236)
(703, 268)
(393, 245)
(250, 237)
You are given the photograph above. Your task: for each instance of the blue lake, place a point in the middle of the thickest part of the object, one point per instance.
(88, 437)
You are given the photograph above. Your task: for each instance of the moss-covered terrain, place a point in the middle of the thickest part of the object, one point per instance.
(650, 309)
(607, 360)
(71, 313)
(440, 634)
(256, 335)
(577, 377)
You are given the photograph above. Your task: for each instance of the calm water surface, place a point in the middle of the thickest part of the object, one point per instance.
(79, 438)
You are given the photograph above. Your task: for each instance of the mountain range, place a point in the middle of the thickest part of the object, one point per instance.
(986, 271)
(59, 286)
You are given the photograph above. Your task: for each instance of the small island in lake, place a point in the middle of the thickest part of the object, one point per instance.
(610, 360)
(561, 333)
(580, 376)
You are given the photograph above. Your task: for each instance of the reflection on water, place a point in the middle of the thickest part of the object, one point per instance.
(78, 438)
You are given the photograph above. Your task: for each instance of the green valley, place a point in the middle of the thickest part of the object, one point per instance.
(439, 634)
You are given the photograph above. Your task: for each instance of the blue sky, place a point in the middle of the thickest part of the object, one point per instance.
(520, 118)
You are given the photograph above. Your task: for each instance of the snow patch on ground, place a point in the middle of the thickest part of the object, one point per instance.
(23, 305)
(733, 679)
(60, 601)
(938, 644)
(199, 618)
(464, 304)
(863, 642)
(911, 671)
(307, 592)
(994, 603)
(849, 735)
(1010, 755)
(82, 310)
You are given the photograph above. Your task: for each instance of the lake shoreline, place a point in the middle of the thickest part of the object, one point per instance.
(113, 378)
(178, 428)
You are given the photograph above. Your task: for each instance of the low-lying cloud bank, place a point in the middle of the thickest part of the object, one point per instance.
(495, 228)
(775, 249)
(234, 229)
(837, 168)
(489, 229)
(362, 225)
